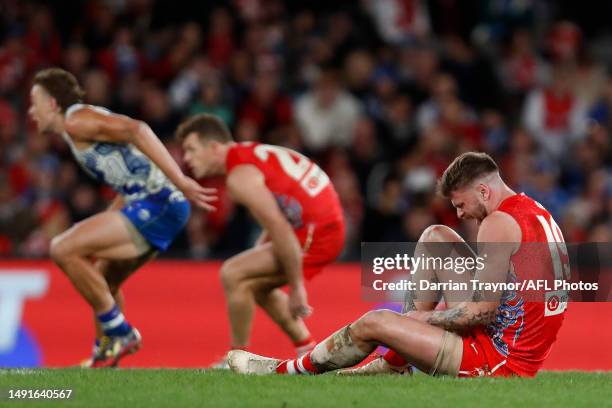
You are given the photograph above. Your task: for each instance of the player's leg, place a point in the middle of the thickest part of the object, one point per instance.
(427, 347)
(116, 272)
(436, 241)
(106, 236)
(252, 272)
(439, 242)
(275, 302)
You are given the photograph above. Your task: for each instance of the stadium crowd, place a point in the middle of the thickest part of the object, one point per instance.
(382, 93)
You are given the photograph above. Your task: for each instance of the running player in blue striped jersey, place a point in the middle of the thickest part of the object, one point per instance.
(150, 210)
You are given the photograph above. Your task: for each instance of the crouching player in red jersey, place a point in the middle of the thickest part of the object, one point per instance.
(298, 209)
(493, 337)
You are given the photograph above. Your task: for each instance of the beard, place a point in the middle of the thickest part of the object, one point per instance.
(480, 213)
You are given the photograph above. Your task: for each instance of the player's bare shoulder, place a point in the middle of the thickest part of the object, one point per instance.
(499, 226)
(244, 181)
(96, 124)
(82, 123)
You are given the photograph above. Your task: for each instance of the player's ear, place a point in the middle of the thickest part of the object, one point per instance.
(215, 146)
(54, 105)
(484, 192)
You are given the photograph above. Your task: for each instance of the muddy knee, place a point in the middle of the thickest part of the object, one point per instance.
(370, 326)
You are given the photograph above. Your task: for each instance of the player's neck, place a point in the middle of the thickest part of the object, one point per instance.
(505, 192)
(58, 125)
(222, 170)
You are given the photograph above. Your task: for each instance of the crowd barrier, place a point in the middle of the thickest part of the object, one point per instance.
(179, 308)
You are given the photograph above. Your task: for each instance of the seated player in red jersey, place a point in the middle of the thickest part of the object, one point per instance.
(296, 205)
(502, 336)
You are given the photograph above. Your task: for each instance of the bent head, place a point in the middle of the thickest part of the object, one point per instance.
(53, 91)
(473, 184)
(205, 139)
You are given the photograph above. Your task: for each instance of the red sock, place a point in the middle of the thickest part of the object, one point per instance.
(304, 346)
(301, 365)
(394, 359)
(304, 342)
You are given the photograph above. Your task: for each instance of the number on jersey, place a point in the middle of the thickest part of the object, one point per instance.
(310, 176)
(555, 302)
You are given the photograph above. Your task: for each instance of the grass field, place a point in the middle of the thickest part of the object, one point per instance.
(181, 388)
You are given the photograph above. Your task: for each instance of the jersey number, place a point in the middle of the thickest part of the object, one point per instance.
(311, 178)
(555, 302)
(557, 247)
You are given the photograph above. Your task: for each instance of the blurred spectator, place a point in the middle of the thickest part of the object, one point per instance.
(99, 25)
(443, 88)
(97, 87)
(211, 101)
(327, 114)
(42, 39)
(266, 106)
(122, 57)
(16, 219)
(156, 111)
(521, 69)
(543, 186)
(495, 133)
(399, 21)
(564, 41)
(358, 70)
(220, 41)
(419, 71)
(399, 131)
(475, 77)
(16, 61)
(179, 54)
(383, 220)
(554, 115)
(601, 111)
(76, 59)
(365, 151)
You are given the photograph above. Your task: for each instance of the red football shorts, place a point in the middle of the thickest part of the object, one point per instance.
(480, 358)
(321, 244)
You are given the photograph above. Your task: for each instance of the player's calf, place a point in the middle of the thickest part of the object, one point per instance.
(381, 365)
(339, 350)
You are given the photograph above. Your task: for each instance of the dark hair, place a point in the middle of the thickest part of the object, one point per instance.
(206, 126)
(61, 85)
(463, 170)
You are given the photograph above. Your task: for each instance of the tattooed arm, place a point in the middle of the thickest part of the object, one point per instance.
(498, 237)
(462, 316)
(409, 305)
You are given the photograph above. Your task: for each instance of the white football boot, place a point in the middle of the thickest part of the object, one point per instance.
(243, 362)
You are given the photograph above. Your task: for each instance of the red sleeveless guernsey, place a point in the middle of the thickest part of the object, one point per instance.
(524, 330)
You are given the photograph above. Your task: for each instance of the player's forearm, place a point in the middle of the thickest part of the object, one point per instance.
(460, 317)
(149, 144)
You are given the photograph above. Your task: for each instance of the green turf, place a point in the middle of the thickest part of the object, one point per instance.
(181, 388)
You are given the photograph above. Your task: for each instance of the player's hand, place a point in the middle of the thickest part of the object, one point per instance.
(200, 196)
(298, 302)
